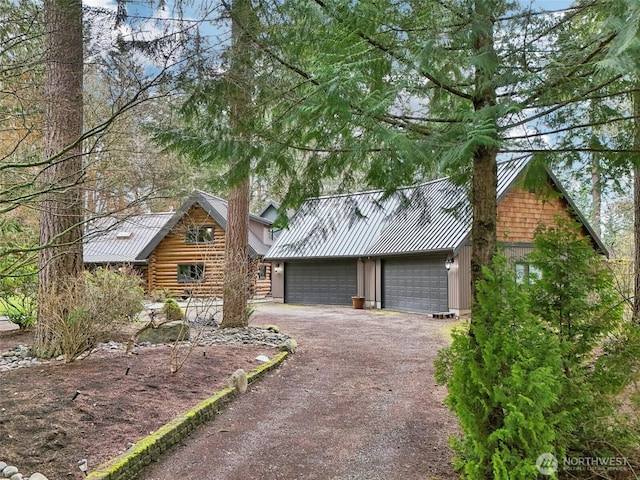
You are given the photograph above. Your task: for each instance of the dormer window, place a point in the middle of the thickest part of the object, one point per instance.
(199, 235)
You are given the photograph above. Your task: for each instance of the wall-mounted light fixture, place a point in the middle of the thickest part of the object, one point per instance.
(447, 263)
(277, 268)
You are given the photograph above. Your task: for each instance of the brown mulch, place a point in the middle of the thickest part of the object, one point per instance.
(53, 415)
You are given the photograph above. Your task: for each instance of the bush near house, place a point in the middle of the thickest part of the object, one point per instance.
(545, 367)
(172, 310)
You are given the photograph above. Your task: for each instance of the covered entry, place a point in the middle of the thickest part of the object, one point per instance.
(328, 282)
(415, 284)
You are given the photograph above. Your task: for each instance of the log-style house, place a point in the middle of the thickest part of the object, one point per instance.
(180, 252)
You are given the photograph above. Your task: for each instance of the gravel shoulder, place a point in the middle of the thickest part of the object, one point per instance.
(357, 401)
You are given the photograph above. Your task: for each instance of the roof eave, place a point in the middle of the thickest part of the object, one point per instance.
(576, 211)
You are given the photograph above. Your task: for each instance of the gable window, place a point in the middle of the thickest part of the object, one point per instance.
(199, 235)
(191, 273)
(527, 273)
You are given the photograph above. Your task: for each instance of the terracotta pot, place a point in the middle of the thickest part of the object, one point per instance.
(358, 302)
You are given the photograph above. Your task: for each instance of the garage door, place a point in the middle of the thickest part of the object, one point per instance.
(323, 282)
(415, 284)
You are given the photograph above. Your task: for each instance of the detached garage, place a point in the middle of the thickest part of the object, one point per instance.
(331, 282)
(415, 284)
(409, 251)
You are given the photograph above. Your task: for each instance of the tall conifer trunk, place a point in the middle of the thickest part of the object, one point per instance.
(484, 189)
(61, 208)
(484, 182)
(636, 205)
(236, 272)
(596, 195)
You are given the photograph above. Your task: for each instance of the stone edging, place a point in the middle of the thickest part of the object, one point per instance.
(150, 448)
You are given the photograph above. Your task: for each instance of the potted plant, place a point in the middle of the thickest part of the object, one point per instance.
(358, 302)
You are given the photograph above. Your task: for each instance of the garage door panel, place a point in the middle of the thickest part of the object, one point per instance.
(326, 282)
(415, 284)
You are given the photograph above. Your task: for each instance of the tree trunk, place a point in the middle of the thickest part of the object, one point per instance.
(236, 271)
(596, 195)
(484, 180)
(636, 206)
(484, 190)
(61, 214)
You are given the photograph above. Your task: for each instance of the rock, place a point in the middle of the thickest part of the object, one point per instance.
(37, 476)
(17, 476)
(289, 345)
(238, 380)
(9, 471)
(262, 358)
(2, 466)
(165, 333)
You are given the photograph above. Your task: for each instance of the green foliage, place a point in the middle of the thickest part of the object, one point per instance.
(544, 368)
(172, 310)
(577, 299)
(105, 300)
(18, 290)
(503, 380)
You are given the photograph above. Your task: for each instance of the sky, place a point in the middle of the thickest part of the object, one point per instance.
(548, 4)
(543, 4)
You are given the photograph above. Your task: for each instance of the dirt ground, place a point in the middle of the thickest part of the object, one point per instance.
(45, 426)
(356, 401)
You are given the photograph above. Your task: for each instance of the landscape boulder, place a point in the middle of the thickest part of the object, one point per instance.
(165, 333)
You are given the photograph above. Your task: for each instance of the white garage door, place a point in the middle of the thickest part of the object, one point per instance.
(415, 284)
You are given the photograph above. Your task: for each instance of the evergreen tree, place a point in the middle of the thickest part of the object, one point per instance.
(61, 208)
(505, 393)
(556, 356)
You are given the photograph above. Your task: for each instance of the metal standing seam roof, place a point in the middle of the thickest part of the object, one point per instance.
(216, 207)
(431, 217)
(335, 226)
(141, 234)
(110, 240)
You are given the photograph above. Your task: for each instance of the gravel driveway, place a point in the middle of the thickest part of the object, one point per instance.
(356, 401)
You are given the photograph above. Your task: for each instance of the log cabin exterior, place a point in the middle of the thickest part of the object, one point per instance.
(182, 252)
(411, 251)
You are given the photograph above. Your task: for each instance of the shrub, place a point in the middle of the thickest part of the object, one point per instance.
(105, 300)
(172, 310)
(502, 379)
(578, 300)
(543, 367)
(18, 293)
(159, 296)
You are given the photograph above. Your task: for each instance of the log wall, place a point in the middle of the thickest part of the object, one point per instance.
(173, 250)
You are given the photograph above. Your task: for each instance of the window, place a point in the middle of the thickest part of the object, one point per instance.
(191, 273)
(203, 234)
(527, 273)
(262, 271)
